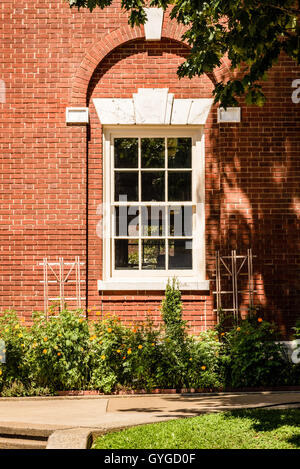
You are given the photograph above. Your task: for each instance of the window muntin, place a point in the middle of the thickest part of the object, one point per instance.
(152, 204)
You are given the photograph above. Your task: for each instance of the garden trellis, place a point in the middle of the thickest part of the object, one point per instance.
(61, 273)
(231, 267)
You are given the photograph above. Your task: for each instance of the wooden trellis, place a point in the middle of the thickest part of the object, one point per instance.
(233, 265)
(59, 273)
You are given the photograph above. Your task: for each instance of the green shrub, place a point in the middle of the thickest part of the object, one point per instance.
(16, 338)
(297, 329)
(253, 356)
(204, 365)
(59, 351)
(68, 353)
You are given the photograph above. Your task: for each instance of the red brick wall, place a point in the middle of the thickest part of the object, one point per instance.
(51, 174)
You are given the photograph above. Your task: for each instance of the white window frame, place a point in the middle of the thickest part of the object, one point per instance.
(155, 279)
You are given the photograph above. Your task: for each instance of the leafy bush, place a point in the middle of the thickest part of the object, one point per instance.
(67, 353)
(297, 329)
(59, 351)
(204, 366)
(16, 338)
(253, 355)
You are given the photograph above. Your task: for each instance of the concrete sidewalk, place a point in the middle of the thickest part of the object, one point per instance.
(72, 419)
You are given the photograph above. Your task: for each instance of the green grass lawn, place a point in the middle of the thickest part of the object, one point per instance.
(240, 429)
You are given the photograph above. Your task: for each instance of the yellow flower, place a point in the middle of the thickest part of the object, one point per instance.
(81, 320)
(45, 339)
(92, 337)
(81, 349)
(238, 328)
(101, 342)
(17, 326)
(58, 354)
(98, 313)
(22, 345)
(109, 329)
(190, 359)
(55, 347)
(140, 346)
(44, 351)
(88, 310)
(6, 330)
(20, 335)
(59, 335)
(118, 351)
(203, 367)
(0, 372)
(153, 344)
(223, 333)
(129, 351)
(103, 357)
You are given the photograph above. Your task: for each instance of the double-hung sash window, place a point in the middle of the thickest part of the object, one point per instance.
(154, 205)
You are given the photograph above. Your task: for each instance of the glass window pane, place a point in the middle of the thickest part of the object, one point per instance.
(126, 254)
(153, 221)
(179, 152)
(180, 254)
(180, 220)
(153, 152)
(153, 186)
(126, 152)
(153, 254)
(179, 186)
(126, 186)
(127, 221)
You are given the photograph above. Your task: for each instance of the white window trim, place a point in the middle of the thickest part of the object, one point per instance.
(155, 280)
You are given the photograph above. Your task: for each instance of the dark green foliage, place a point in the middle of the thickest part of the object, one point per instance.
(252, 34)
(254, 357)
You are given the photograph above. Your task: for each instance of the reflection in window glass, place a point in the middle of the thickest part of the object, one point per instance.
(126, 186)
(153, 220)
(180, 254)
(179, 152)
(152, 205)
(180, 220)
(126, 254)
(127, 221)
(153, 186)
(126, 152)
(153, 152)
(153, 254)
(179, 186)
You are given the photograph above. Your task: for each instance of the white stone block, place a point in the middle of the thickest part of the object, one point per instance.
(77, 115)
(169, 108)
(231, 114)
(199, 111)
(115, 111)
(150, 105)
(180, 111)
(153, 25)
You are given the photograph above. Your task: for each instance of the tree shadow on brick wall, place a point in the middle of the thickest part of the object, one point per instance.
(252, 203)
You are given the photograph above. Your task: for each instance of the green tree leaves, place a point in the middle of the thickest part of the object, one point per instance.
(252, 34)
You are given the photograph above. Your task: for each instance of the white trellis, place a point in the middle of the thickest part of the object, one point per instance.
(233, 265)
(62, 273)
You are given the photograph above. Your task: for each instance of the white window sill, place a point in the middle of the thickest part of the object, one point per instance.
(151, 284)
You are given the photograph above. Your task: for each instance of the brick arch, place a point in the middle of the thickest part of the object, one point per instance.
(113, 40)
